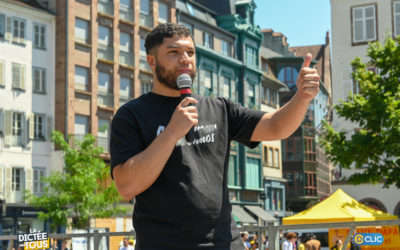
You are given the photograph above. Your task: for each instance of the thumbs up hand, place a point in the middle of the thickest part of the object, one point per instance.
(307, 80)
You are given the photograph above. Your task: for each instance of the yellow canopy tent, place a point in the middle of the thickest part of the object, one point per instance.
(339, 207)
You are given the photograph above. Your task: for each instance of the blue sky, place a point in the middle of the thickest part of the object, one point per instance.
(303, 22)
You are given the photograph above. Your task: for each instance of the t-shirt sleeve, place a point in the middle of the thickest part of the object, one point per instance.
(242, 122)
(125, 140)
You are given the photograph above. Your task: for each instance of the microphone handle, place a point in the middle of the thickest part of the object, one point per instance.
(190, 136)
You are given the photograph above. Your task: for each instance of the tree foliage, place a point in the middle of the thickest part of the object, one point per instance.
(82, 191)
(375, 111)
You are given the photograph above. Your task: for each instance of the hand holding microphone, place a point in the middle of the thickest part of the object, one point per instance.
(184, 83)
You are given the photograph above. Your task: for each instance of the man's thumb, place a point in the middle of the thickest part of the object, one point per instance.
(307, 60)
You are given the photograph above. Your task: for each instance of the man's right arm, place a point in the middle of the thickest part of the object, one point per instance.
(141, 170)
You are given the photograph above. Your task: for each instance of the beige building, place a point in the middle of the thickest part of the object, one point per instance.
(354, 24)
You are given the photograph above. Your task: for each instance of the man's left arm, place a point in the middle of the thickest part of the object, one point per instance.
(282, 123)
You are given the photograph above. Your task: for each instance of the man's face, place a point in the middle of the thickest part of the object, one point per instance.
(175, 56)
(126, 242)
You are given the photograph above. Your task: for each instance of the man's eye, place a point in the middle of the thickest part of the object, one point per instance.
(190, 53)
(173, 51)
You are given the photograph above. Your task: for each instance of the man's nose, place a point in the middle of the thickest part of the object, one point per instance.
(185, 58)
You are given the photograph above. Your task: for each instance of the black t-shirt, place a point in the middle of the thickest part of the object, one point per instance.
(188, 206)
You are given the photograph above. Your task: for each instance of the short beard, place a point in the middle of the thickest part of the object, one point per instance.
(169, 78)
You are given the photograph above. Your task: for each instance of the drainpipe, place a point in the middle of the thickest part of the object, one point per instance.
(66, 68)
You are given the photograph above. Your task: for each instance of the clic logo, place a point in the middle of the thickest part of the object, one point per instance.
(368, 239)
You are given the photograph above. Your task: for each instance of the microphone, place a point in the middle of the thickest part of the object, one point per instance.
(184, 82)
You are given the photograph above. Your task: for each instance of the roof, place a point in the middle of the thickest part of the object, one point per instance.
(29, 3)
(240, 215)
(339, 207)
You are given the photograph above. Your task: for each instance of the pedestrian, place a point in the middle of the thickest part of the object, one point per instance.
(245, 236)
(125, 245)
(288, 242)
(179, 185)
(314, 242)
(303, 241)
(338, 245)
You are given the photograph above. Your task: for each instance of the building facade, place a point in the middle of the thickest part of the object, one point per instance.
(354, 24)
(27, 90)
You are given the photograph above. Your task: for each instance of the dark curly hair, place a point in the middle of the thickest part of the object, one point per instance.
(157, 35)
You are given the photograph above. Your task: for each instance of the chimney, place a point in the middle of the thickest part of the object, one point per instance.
(327, 38)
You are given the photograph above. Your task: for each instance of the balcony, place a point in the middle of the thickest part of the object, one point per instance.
(16, 140)
(126, 58)
(143, 63)
(126, 15)
(105, 53)
(146, 20)
(105, 99)
(106, 8)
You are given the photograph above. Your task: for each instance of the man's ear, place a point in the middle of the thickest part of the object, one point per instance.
(151, 60)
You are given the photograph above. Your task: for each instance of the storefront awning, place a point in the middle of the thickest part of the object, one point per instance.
(241, 216)
(260, 213)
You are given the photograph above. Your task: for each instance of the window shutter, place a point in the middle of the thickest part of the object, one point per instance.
(31, 127)
(49, 127)
(257, 95)
(246, 93)
(24, 130)
(1, 124)
(22, 76)
(8, 127)
(8, 183)
(233, 90)
(8, 29)
(215, 85)
(28, 179)
(22, 32)
(1, 73)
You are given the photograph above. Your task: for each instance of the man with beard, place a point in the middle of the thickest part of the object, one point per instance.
(182, 199)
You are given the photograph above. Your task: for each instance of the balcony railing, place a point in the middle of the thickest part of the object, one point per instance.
(105, 52)
(16, 140)
(126, 15)
(146, 20)
(105, 8)
(143, 63)
(105, 99)
(126, 58)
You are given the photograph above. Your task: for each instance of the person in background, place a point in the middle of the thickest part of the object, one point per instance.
(245, 236)
(314, 242)
(338, 245)
(126, 245)
(288, 242)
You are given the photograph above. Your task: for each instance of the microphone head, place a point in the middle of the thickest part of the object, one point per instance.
(184, 81)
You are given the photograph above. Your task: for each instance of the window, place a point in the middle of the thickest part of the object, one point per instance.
(81, 78)
(125, 55)
(252, 173)
(18, 30)
(2, 73)
(207, 82)
(39, 80)
(310, 184)
(145, 87)
(2, 26)
(190, 9)
(18, 76)
(104, 36)
(81, 125)
(124, 4)
(17, 128)
(142, 47)
(252, 95)
(81, 30)
(103, 133)
(145, 7)
(39, 126)
(207, 40)
(225, 48)
(189, 26)
(396, 18)
(251, 56)
(227, 87)
(17, 179)
(104, 82)
(270, 157)
(288, 75)
(125, 87)
(38, 184)
(162, 12)
(39, 37)
(126, 11)
(276, 158)
(364, 23)
(233, 174)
